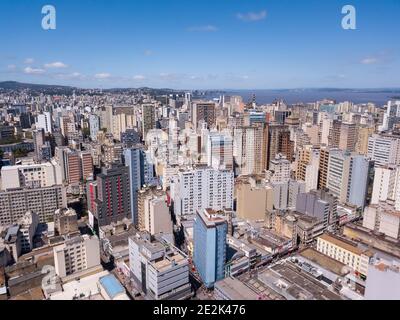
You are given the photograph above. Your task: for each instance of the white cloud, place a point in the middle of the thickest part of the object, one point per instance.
(102, 76)
(55, 65)
(11, 67)
(139, 77)
(29, 70)
(29, 61)
(207, 28)
(370, 60)
(252, 16)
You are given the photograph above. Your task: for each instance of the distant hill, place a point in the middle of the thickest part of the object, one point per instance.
(37, 89)
(14, 85)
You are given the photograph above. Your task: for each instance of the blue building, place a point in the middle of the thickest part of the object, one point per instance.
(360, 173)
(210, 230)
(141, 172)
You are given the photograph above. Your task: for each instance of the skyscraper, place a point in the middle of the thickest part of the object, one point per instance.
(141, 172)
(201, 188)
(148, 118)
(220, 151)
(210, 230)
(343, 135)
(44, 121)
(203, 111)
(112, 202)
(94, 126)
(384, 149)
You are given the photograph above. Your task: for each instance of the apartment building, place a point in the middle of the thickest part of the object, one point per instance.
(14, 203)
(76, 254)
(199, 188)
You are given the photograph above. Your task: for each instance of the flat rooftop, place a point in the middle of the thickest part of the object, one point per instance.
(286, 280)
(236, 289)
(33, 294)
(345, 244)
(324, 261)
(166, 263)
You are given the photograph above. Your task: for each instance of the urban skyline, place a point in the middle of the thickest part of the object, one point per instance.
(128, 172)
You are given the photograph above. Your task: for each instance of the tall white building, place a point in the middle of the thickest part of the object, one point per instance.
(249, 149)
(384, 149)
(44, 122)
(348, 176)
(202, 188)
(392, 112)
(386, 182)
(280, 167)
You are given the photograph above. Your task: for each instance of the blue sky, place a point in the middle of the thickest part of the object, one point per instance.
(204, 44)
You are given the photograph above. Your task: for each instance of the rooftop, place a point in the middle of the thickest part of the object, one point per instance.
(236, 289)
(345, 244)
(324, 261)
(112, 286)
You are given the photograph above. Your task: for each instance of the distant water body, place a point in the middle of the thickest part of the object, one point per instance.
(379, 97)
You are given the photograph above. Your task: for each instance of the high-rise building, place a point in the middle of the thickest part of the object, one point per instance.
(44, 122)
(279, 142)
(73, 167)
(250, 149)
(141, 173)
(280, 167)
(386, 183)
(201, 188)
(384, 149)
(209, 237)
(363, 134)
(144, 194)
(343, 135)
(94, 126)
(220, 151)
(130, 138)
(38, 141)
(391, 116)
(148, 118)
(254, 198)
(111, 194)
(14, 203)
(323, 167)
(86, 164)
(307, 166)
(348, 177)
(203, 111)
